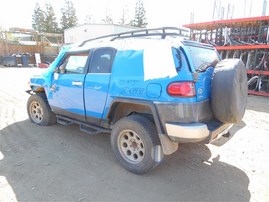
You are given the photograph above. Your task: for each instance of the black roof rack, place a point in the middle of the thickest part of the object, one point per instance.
(162, 32)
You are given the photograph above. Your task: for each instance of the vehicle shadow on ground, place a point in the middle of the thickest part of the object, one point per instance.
(232, 132)
(60, 163)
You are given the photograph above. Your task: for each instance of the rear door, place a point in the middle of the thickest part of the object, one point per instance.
(203, 60)
(97, 82)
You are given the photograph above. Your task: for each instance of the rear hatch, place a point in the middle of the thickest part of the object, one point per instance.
(202, 60)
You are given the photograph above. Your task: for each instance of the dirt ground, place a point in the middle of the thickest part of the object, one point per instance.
(61, 163)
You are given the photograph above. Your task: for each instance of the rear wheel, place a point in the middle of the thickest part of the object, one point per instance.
(136, 145)
(39, 110)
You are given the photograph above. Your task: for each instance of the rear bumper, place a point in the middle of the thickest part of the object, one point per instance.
(196, 132)
(190, 122)
(184, 112)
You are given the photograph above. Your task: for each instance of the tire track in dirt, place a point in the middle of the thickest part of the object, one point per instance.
(7, 99)
(13, 137)
(7, 145)
(7, 115)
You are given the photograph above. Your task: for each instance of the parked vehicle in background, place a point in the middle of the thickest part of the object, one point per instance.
(20, 47)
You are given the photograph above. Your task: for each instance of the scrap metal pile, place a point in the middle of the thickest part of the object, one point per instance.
(244, 38)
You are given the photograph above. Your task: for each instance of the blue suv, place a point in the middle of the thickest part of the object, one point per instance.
(150, 89)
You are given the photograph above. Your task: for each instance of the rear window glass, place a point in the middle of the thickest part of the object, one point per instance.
(203, 57)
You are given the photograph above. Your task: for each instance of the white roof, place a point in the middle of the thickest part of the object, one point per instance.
(128, 43)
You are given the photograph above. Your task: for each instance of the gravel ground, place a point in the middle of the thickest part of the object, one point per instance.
(61, 163)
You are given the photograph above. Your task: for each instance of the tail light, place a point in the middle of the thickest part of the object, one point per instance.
(181, 89)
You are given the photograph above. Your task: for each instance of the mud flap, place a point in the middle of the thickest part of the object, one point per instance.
(168, 146)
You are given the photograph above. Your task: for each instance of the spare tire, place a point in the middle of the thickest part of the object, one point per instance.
(229, 91)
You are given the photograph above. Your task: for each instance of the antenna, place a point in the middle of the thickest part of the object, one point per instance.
(245, 8)
(217, 9)
(222, 10)
(192, 18)
(264, 7)
(250, 9)
(214, 8)
(230, 11)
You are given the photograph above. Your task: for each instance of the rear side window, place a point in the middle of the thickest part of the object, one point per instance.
(179, 59)
(203, 57)
(102, 60)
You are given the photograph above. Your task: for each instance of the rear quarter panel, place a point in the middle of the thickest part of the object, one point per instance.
(145, 74)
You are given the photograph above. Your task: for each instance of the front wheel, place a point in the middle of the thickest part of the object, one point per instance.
(136, 145)
(39, 110)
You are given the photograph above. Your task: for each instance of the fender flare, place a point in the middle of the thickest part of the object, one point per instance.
(168, 146)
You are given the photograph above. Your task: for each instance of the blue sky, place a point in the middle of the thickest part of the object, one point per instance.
(18, 13)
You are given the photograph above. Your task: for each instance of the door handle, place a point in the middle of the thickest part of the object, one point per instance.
(77, 83)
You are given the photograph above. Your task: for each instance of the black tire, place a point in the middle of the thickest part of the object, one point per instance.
(229, 91)
(136, 144)
(39, 111)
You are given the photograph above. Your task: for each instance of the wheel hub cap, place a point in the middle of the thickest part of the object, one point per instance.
(131, 146)
(36, 112)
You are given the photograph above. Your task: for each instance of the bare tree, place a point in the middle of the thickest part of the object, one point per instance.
(124, 18)
(108, 19)
(140, 19)
(88, 19)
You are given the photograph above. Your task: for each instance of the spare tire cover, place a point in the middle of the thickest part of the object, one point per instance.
(229, 91)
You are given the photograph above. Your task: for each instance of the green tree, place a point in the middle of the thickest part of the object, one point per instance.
(140, 19)
(51, 24)
(44, 20)
(69, 18)
(38, 19)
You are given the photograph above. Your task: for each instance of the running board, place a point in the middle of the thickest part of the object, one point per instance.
(92, 130)
(85, 127)
(63, 121)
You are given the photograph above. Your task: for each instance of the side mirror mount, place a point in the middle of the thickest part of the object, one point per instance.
(62, 69)
(56, 70)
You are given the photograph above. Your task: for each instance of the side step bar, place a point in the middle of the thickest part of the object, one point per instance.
(64, 121)
(85, 127)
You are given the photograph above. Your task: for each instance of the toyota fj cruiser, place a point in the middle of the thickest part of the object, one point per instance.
(149, 88)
